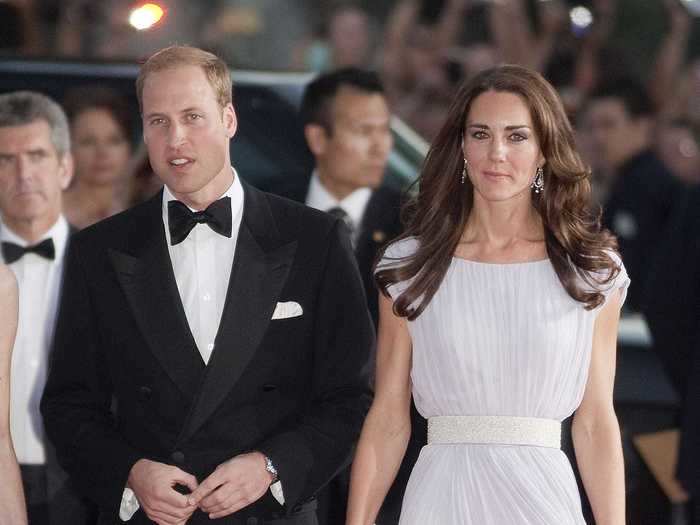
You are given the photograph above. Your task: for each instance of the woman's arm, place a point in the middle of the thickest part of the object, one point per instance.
(595, 430)
(387, 428)
(12, 510)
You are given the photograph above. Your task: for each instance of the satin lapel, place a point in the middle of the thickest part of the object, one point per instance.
(260, 268)
(146, 276)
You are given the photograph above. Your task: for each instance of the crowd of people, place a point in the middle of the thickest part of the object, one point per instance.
(67, 165)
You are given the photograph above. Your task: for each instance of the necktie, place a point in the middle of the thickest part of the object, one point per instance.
(12, 252)
(341, 214)
(181, 219)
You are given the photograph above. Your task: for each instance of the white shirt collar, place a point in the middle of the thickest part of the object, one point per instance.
(58, 232)
(354, 204)
(235, 191)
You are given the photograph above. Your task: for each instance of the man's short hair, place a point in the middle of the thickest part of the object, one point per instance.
(26, 107)
(214, 68)
(319, 94)
(630, 92)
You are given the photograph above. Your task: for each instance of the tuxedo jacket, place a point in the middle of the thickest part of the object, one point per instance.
(127, 381)
(672, 310)
(381, 223)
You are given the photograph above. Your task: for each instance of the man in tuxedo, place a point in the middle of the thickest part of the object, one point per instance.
(35, 168)
(346, 124)
(672, 309)
(213, 348)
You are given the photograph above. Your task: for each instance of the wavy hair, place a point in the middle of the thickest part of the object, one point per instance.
(578, 248)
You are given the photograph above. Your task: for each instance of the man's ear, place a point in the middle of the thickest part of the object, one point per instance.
(230, 120)
(316, 138)
(66, 170)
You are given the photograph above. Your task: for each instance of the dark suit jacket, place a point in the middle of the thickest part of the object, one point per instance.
(672, 310)
(381, 223)
(638, 210)
(127, 381)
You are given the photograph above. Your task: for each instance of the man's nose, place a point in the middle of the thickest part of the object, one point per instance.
(176, 134)
(23, 168)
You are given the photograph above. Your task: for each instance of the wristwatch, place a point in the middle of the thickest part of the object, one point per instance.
(271, 469)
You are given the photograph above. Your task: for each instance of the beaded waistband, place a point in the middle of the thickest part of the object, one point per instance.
(502, 430)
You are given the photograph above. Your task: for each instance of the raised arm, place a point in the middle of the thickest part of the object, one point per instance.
(512, 32)
(595, 430)
(387, 428)
(12, 511)
(666, 70)
(586, 69)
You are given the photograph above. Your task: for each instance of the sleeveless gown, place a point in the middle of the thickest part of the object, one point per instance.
(497, 340)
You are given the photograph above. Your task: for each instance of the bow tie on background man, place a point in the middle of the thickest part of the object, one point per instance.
(181, 219)
(12, 252)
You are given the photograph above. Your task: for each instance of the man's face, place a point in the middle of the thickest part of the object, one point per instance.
(187, 133)
(614, 133)
(32, 174)
(354, 153)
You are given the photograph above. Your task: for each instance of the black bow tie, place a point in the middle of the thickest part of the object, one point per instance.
(12, 252)
(181, 219)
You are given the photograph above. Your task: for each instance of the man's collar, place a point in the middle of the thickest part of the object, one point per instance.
(58, 232)
(234, 191)
(354, 204)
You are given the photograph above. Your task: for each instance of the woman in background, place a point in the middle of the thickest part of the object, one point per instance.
(12, 508)
(499, 312)
(100, 136)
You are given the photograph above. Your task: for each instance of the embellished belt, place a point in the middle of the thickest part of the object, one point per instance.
(501, 430)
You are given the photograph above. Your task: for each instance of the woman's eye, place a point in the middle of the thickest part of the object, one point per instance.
(517, 137)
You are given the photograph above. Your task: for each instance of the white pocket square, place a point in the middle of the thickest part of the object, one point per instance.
(287, 310)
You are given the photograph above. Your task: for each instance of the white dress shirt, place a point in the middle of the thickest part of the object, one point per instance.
(39, 281)
(202, 267)
(354, 204)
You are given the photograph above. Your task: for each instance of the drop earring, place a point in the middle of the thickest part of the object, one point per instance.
(538, 183)
(464, 172)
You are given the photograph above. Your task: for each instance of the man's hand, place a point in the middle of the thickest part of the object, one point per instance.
(234, 485)
(153, 483)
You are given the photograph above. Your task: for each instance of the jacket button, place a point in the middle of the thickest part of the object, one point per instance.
(145, 393)
(269, 387)
(178, 457)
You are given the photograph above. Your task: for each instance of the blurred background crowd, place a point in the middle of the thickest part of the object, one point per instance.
(423, 49)
(628, 72)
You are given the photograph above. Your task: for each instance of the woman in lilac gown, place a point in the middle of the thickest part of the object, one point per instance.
(499, 313)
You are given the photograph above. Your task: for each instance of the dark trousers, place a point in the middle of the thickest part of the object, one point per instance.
(58, 506)
(36, 493)
(302, 514)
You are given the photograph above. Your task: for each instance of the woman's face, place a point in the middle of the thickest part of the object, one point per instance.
(100, 150)
(501, 148)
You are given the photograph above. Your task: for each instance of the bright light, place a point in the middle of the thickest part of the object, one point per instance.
(146, 16)
(581, 17)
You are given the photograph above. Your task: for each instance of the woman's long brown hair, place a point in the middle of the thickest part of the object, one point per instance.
(577, 246)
